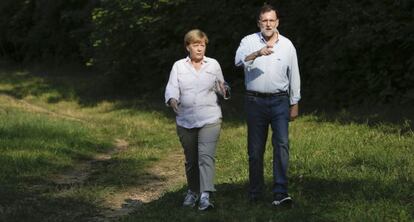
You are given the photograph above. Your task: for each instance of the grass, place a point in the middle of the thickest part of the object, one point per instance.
(42, 137)
(339, 170)
(35, 145)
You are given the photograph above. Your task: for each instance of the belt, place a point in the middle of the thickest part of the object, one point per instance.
(260, 94)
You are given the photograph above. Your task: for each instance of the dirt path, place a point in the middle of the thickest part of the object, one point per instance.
(83, 169)
(157, 180)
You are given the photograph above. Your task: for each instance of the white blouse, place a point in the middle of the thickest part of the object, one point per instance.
(195, 92)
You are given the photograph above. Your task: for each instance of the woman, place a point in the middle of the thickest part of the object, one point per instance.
(191, 93)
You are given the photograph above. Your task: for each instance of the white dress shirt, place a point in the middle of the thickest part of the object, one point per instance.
(195, 92)
(272, 73)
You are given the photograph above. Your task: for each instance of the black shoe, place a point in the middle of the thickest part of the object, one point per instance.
(282, 200)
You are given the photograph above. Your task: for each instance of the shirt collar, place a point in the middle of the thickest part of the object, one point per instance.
(187, 59)
(262, 38)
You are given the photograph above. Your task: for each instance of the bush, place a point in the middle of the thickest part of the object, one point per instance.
(34, 30)
(349, 52)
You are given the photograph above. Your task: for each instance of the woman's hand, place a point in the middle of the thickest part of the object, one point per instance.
(174, 104)
(223, 89)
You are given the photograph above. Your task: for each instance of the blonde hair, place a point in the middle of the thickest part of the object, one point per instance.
(195, 36)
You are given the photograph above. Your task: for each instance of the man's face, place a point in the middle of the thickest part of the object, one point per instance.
(197, 50)
(268, 23)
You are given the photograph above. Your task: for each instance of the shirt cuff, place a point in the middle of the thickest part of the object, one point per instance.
(248, 64)
(294, 101)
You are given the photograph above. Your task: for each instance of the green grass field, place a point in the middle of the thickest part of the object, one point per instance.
(339, 170)
(338, 173)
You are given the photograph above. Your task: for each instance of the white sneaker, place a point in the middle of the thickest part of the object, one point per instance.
(190, 199)
(205, 203)
(283, 200)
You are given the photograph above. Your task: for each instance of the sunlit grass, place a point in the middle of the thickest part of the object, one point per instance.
(339, 171)
(41, 138)
(36, 145)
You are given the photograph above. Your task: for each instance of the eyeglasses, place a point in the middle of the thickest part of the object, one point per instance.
(271, 21)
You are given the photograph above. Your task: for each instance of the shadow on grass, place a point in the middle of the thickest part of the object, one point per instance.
(69, 83)
(39, 198)
(89, 89)
(35, 149)
(124, 173)
(324, 200)
(19, 204)
(316, 199)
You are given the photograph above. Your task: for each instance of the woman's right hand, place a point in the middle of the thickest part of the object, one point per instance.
(174, 105)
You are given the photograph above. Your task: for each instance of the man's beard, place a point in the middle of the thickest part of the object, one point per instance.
(269, 33)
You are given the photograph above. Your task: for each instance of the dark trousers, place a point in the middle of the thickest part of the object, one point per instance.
(262, 112)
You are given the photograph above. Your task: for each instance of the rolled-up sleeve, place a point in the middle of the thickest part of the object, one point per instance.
(294, 78)
(172, 90)
(241, 54)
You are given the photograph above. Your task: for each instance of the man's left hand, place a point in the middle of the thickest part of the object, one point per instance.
(294, 111)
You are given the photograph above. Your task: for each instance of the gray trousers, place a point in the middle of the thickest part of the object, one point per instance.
(199, 146)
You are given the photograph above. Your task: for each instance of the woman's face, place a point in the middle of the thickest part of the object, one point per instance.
(197, 50)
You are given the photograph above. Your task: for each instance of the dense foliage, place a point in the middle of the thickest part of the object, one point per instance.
(350, 52)
(42, 29)
(355, 51)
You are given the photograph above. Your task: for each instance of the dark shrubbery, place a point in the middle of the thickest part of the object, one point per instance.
(354, 52)
(349, 52)
(33, 30)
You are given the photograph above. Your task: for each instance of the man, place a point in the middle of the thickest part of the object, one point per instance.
(272, 94)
